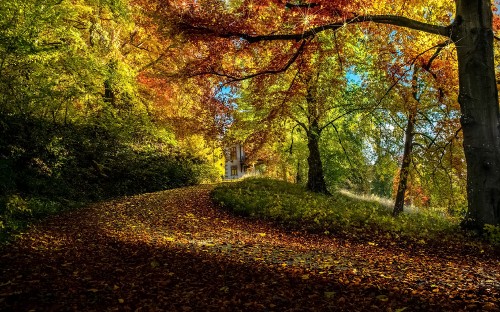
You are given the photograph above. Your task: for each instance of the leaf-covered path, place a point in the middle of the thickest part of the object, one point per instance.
(176, 251)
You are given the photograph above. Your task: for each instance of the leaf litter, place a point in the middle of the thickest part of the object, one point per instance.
(177, 251)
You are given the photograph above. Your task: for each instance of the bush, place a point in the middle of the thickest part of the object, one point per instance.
(17, 212)
(492, 233)
(133, 172)
(44, 166)
(86, 162)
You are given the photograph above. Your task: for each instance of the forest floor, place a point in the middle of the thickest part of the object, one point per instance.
(176, 251)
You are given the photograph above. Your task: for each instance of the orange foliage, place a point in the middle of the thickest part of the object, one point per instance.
(415, 194)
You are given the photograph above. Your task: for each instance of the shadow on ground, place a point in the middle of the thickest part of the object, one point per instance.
(136, 254)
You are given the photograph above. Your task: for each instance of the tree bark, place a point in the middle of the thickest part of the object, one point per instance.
(478, 99)
(315, 178)
(408, 147)
(405, 166)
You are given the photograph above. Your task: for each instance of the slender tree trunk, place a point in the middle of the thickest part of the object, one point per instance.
(405, 166)
(109, 94)
(478, 98)
(315, 179)
(298, 177)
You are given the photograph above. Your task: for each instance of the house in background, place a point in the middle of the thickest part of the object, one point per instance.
(235, 162)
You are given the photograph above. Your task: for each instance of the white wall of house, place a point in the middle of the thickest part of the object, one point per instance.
(235, 162)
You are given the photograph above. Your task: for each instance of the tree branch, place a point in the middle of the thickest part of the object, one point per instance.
(380, 19)
(290, 150)
(338, 53)
(331, 122)
(152, 63)
(301, 124)
(266, 72)
(342, 145)
(439, 47)
(290, 5)
(448, 143)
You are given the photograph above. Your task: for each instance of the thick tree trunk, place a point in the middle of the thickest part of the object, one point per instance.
(478, 98)
(405, 165)
(315, 179)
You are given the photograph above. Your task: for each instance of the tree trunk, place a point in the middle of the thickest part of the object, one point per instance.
(405, 166)
(109, 94)
(478, 98)
(315, 179)
(298, 177)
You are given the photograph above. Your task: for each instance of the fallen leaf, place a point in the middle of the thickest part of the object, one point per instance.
(382, 297)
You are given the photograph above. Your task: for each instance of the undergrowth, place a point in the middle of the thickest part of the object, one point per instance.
(47, 168)
(292, 206)
(17, 213)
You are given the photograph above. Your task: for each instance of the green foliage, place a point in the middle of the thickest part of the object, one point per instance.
(17, 212)
(16, 205)
(74, 124)
(87, 162)
(48, 166)
(134, 172)
(492, 233)
(291, 204)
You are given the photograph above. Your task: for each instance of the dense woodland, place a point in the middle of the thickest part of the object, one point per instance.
(374, 125)
(391, 98)
(78, 120)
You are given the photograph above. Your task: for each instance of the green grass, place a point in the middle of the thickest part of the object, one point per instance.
(293, 206)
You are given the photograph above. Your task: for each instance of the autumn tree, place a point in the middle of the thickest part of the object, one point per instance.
(252, 26)
(313, 100)
(75, 123)
(415, 89)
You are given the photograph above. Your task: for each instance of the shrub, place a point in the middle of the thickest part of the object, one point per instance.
(492, 233)
(17, 212)
(45, 165)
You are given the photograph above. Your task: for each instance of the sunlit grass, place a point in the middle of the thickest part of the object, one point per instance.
(389, 203)
(344, 212)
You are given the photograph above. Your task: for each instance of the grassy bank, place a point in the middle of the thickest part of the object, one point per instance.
(292, 206)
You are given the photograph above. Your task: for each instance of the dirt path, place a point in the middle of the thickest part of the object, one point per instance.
(175, 251)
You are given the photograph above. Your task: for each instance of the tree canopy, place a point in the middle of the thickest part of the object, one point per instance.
(238, 40)
(368, 96)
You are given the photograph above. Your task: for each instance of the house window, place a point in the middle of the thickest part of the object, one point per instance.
(234, 170)
(233, 153)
